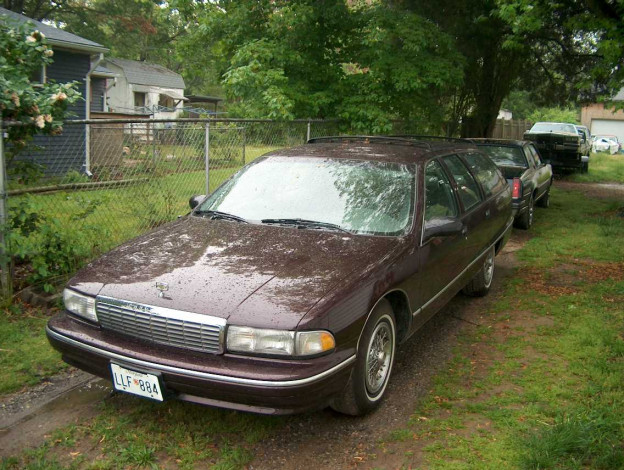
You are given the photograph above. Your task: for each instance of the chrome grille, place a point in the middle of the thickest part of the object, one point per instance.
(162, 325)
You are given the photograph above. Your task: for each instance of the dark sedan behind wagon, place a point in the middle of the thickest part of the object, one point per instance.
(289, 287)
(529, 177)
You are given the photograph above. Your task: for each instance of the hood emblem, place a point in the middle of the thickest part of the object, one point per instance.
(162, 288)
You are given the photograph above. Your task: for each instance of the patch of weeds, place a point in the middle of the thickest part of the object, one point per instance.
(401, 435)
(578, 439)
(137, 455)
(26, 357)
(233, 457)
(610, 226)
(602, 168)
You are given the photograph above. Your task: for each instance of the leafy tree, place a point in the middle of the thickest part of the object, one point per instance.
(35, 9)
(577, 47)
(38, 107)
(360, 61)
(150, 30)
(556, 114)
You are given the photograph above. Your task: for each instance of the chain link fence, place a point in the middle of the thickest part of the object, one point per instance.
(71, 197)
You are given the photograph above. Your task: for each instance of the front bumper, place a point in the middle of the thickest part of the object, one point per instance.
(261, 385)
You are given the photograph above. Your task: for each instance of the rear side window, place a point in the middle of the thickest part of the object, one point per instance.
(534, 155)
(466, 184)
(440, 200)
(486, 172)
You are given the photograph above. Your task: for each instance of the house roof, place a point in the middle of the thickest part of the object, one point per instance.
(55, 36)
(101, 71)
(144, 73)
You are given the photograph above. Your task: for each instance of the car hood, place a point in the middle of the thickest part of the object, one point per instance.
(257, 275)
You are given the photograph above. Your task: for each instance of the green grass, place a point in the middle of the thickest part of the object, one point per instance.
(603, 168)
(134, 433)
(543, 390)
(575, 227)
(26, 358)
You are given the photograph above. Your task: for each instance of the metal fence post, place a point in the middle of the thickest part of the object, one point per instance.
(244, 142)
(207, 156)
(5, 278)
(308, 133)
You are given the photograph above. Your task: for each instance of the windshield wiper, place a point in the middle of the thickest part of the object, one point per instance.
(221, 215)
(306, 223)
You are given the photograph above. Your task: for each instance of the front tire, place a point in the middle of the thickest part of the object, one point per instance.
(373, 367)
(480, 285)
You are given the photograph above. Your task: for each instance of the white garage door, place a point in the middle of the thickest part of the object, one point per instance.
(609, 127)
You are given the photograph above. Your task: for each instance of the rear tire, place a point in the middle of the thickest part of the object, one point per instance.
(375, 357)
(480, 285)
(526, 219)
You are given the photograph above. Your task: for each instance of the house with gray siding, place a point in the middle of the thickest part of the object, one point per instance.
(75, 59)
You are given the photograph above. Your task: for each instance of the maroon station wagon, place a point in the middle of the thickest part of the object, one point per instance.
(289, 287)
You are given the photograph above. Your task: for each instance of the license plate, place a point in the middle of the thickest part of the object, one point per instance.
(137, 383)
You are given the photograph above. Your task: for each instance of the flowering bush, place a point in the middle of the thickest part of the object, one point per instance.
(38, 107)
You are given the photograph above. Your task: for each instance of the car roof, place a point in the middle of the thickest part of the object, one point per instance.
(508, 142)
(400, 149)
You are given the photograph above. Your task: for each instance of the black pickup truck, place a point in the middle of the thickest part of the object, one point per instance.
(530, 178)
(560, 145)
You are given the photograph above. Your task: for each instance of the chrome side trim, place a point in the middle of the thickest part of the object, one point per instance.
(197, 374)
(433, 299)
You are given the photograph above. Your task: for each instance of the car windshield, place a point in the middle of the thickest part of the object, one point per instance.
(367, 197)
(553, 127)
(505, 156)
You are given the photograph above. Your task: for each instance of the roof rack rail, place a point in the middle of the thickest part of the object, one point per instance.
(396, 140)
(455, 140)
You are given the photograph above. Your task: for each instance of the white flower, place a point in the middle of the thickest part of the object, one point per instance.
(47, 118)
(48, 53)
(60, 96)
(39, 121)
(35, 36)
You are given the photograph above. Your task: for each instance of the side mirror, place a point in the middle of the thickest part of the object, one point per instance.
(195, 200)
(443, 227)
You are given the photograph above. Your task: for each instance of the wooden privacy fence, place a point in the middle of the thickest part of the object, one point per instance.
(511, 129)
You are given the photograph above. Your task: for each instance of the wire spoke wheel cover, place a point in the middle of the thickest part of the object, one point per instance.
(488, 268)
(379, 357)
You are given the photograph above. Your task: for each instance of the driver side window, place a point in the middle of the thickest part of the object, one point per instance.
(439, 196)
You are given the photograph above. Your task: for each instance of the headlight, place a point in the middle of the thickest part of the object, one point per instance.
(81, 305)
(278, 342)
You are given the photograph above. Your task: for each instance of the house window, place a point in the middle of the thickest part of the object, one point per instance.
(139, 99)
(166, 101)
